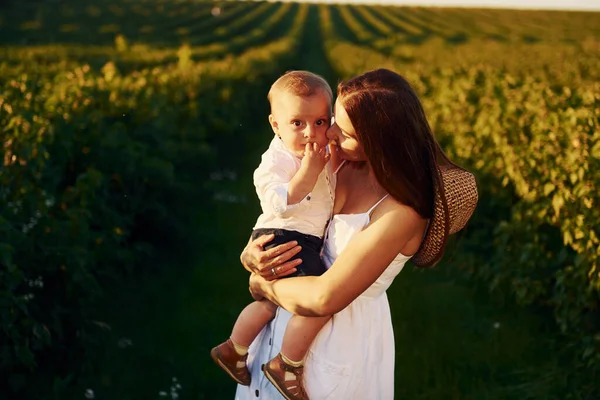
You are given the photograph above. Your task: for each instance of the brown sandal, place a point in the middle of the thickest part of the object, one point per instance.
(290, 389)
(227, 358)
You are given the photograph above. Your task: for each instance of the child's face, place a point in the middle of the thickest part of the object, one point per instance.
(299, 120)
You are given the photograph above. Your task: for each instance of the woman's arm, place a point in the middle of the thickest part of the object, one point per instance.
(360, 264)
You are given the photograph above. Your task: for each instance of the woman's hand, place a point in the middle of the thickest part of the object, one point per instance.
(273, 263)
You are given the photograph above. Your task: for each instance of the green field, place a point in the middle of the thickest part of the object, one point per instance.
(130, 130)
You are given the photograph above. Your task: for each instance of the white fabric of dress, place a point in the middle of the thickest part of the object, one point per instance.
(352, 357)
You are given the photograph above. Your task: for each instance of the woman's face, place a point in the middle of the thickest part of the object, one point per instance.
(342, 132)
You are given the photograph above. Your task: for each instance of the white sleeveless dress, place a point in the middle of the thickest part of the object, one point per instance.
(352, 357)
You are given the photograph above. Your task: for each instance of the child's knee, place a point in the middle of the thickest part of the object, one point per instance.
(267, 307)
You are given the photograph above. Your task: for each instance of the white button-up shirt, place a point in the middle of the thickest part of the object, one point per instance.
(272, 178)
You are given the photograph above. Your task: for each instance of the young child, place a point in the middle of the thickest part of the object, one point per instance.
(297, 201)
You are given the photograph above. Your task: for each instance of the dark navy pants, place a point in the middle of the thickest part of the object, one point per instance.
(310, 253)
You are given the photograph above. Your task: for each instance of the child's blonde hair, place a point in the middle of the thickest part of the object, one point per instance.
(300, 83)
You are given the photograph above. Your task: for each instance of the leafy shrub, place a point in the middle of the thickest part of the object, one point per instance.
(99, 171)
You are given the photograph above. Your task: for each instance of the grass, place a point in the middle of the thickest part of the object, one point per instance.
(455, 342)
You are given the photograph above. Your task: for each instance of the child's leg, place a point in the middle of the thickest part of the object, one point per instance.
(299, 335)
(286, 370)
(232, 354)
(251, 321)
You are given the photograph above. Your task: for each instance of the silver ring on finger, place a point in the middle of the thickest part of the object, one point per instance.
(273, 271)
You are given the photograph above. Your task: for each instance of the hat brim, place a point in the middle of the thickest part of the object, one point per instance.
(434, 243)
(455, 203)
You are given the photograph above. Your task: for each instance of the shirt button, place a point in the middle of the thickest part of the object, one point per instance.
(307, 197)
(257, 393)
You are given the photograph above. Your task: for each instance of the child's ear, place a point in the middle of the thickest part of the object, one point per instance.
(274, 124)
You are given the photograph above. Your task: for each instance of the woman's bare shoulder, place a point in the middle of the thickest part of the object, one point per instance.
(392, 213)
(392, 208)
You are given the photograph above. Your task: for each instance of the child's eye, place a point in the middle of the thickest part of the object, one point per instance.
(321, 122)
(296, 123)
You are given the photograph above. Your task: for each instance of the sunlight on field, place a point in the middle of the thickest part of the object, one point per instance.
(582, 5)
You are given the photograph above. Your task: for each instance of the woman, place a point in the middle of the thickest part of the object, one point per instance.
(397, 197)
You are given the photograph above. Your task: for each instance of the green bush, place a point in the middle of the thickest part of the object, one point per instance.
(99, 172)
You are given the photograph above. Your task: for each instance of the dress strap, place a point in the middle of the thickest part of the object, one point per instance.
(376, 204)
(339, 167)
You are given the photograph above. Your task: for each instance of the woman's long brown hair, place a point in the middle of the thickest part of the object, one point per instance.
(391, 125)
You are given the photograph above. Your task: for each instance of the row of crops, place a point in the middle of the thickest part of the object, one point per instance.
(167, 23)
(111, 110)
(366, 23)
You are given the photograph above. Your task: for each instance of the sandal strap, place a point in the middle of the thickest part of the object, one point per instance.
(292, 387)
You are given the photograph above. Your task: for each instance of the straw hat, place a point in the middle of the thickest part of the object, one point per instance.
(454, 205)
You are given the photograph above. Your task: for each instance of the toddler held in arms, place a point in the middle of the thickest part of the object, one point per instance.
(293, 187)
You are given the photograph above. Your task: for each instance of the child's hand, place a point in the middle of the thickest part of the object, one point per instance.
(315, 158)
(303, 182)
